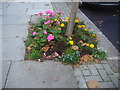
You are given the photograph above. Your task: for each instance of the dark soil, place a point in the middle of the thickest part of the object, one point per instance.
(58, 47)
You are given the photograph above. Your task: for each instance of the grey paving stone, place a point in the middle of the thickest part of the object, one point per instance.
(82, 83)
(83, 67)
(104, 75)
(5, 68)
(20, 5)
(10, 31)
(107, 69)
(15, 19)
(93, 70)
(96, 78)
(77, 72)
(114, 64)
(32, 74)
(99, 66)
(13, 48)
(35, 19)
(114, 80)
(5, 5)
(42, 5)
(106, 85)
(86, 73)
(14, 11)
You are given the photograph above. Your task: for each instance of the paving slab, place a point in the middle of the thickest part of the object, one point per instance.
(13, 48)
(42, 5)
(10, 31)
(114, 80)
(93, 69)
(5, 68)
(20, 5)
(104, 75)
(96, 78)
(78, 72)
(86, 73)
(106, 85)
(107, 69)
(81, 82)
(15, 19)
(47, 74)
(99, 66)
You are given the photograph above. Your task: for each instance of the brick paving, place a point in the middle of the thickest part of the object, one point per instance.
(97, 72)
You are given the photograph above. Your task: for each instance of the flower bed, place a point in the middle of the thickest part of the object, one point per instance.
(47, 40)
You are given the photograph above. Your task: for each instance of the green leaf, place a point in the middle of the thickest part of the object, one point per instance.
(55, 31)
(44, 26)
(40, 35)
(43, 40)
(41, 44)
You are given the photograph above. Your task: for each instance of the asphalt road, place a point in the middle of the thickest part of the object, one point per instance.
(106, 19)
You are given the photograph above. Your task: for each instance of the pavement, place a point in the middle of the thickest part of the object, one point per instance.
(20, 73)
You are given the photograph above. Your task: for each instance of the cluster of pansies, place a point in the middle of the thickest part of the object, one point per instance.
(47, 40)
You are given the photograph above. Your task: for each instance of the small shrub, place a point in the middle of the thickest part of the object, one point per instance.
(99, 54)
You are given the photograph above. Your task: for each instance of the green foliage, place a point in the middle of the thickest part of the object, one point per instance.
(99, 54)
(71, 57)
(35, 54)
(36, 43)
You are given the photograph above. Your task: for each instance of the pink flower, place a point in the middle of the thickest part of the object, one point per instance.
(47, 22)
(53, 14)
(58, 23)
(51, 21)
(40, 13)
(50, 25)
(45, 32)
(34, 33)
(50, 37)
(47, 16)
(58, 11)
(50, 12)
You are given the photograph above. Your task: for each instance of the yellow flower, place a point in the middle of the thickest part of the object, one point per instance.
(79, 26)
(62, 25)
(93, 35)
(83, 26)
(70, 38)
(67, 18)
(71, 42)
(58, 15)
(76, 20)
(87, 44)
(85, 29)
(92, 45)
(55, 19)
